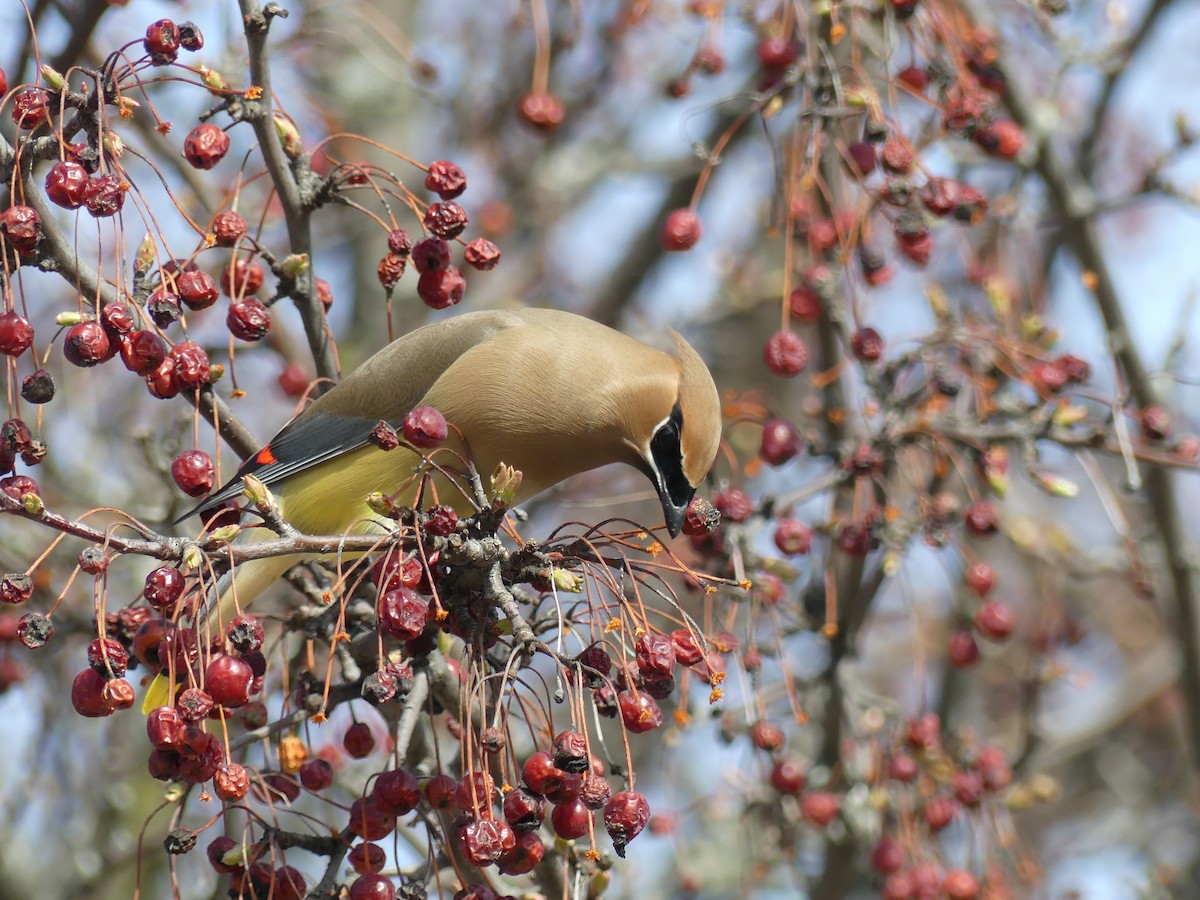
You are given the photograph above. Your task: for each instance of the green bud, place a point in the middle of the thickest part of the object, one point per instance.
(506, 481)
(294, 264)
(226, 533)
(53, 78)
(33, 504)
(67, 319)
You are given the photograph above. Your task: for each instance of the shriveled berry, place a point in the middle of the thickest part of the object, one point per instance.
(190, 37)
(162, 42)
(108, 657)
(66, 183)
(625, 815)
(446, 220)
(191, 368)
(205, 146)
(734, 505)
(655, 656)
(400, 242)
(867, 345)
(402, 613)
(680, 231)
(142, 351)
(639, 711)
(194, 704)
(231, 783)
(369, 820)
(390, 269)
(104, 196)
(430, 255)
(163, 587)
(164, 307)
(248, 320)
(228, 227)
(482, 254)
(31, 107)
(197, 290)
(544, 112)
(785, 354)
(34, 630)
(446, 179)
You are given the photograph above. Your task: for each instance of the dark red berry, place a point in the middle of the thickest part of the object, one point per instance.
(430, 254)
(87, 695)
(197, 290)
(66, 183)
(372, 886)
(402, 613)
(244, 277)
(777, 53)
(86, 344)
(734, 505)
(164, 586)
(962, 650)
(639, 711)
(104, 196)
(792, 537)
(228, 228)
(863, 156)
(16, 334)
(366, 857)
(446, 179)
(625, 815)
(190, 37)
(994, 620)
(398, 790)
(400, 243)
(781, 442)
(142, 351)
(23, 227)
(867, 345)
(162, 42)
(31, 107)
(820, 807)
(442, 288)
(191, 369)
(316, 774)
(193, 472)
(981, 519)
(571, 820)
(358, 740)
(248, 320)
(1155, 423)
(38, 387)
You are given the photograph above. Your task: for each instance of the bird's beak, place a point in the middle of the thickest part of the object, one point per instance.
(674, 512)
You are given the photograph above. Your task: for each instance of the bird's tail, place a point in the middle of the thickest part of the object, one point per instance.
(236, 590)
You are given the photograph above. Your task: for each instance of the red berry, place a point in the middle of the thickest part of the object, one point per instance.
(190, 37)
(442, 288)
(191, 367)
(625, 816)
(142, 351)
(776, 53)
(939, 812)
(358, 740)
(785, 354)
(862, 155)
(867, 345)
(1002, 138)
(1155, 422)
(781, 442)
(639, 711)
(440, 791)
(228, 681)
(820, 807)
(205, 146)
(788, 776)
(402, 613)
(16, 334)
(793, 537)
(680, 231)
(981, 519)
(248, 320)
(66, 183)
(197, 290)
(228, 228)
(31, 107)
(430, 255)
(366, 857)
(994, 620)
(543, 111)
(293, 380)
(805, 304)
(231, 782)
(398, 790)
(701, 517)
(441, 521)
(446, 179)
(104, 196)
(902, 767)
(86, 344)
(164, 586)
(734, 505)
(924, 732)
(888, 856)
(960, 885)
(914, 77)
(372, 886)
(524, 856)
(425, 427)
(243, 278)
(767, 736)
(193, 472)
(962, 650)
(540, 774)
(571, 820)
(980, 578)
(87, 695)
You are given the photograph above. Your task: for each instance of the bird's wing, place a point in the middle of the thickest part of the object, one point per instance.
(386, 387)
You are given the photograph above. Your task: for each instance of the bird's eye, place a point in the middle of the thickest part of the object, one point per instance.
(667, 451)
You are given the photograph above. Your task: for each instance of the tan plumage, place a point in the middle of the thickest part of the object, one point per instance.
(550, 393)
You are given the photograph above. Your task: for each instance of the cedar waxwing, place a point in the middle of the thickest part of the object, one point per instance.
(550, 393)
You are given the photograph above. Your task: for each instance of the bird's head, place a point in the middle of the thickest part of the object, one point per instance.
(682, 445)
